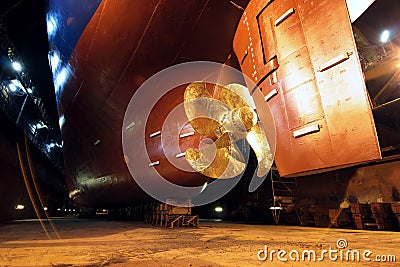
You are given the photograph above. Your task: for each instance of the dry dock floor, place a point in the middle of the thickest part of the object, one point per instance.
(127, 243)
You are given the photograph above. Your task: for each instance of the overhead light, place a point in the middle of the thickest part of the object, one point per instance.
(45, 208)
(29, 90)
(17, 66)
(219, 209)
(52, 145)
(40, 125)
(12, 87)
(15, 85)
(19, 207)
(385, 36)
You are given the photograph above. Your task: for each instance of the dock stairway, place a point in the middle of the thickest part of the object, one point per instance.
(283, 193)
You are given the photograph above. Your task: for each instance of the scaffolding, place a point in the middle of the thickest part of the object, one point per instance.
(21, 102)
(170, 216)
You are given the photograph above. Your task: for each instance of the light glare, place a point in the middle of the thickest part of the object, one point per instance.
(17, 66)
(40, 125)
(51, 25)
(219, 209)
(61, 121)
(61, 79)
(54, 61)
(15, 85)
(357, 8)
(385, 36)
(12, 87)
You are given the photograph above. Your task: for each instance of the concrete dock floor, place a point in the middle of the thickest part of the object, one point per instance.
(126, 243)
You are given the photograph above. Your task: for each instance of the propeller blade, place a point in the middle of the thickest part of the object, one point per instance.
(258, 141)
(222, 159)
(234, 95)
(201, 109)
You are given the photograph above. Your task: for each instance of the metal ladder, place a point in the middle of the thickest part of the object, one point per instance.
(283, 193)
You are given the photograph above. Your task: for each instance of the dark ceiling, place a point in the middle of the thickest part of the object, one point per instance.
(383, 14)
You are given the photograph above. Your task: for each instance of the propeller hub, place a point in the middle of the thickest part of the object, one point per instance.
(248, 117)
(239, 121)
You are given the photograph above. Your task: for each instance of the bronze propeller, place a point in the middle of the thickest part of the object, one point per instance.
(230, 115)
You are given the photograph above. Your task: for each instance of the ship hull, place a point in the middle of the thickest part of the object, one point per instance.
(120, 46)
